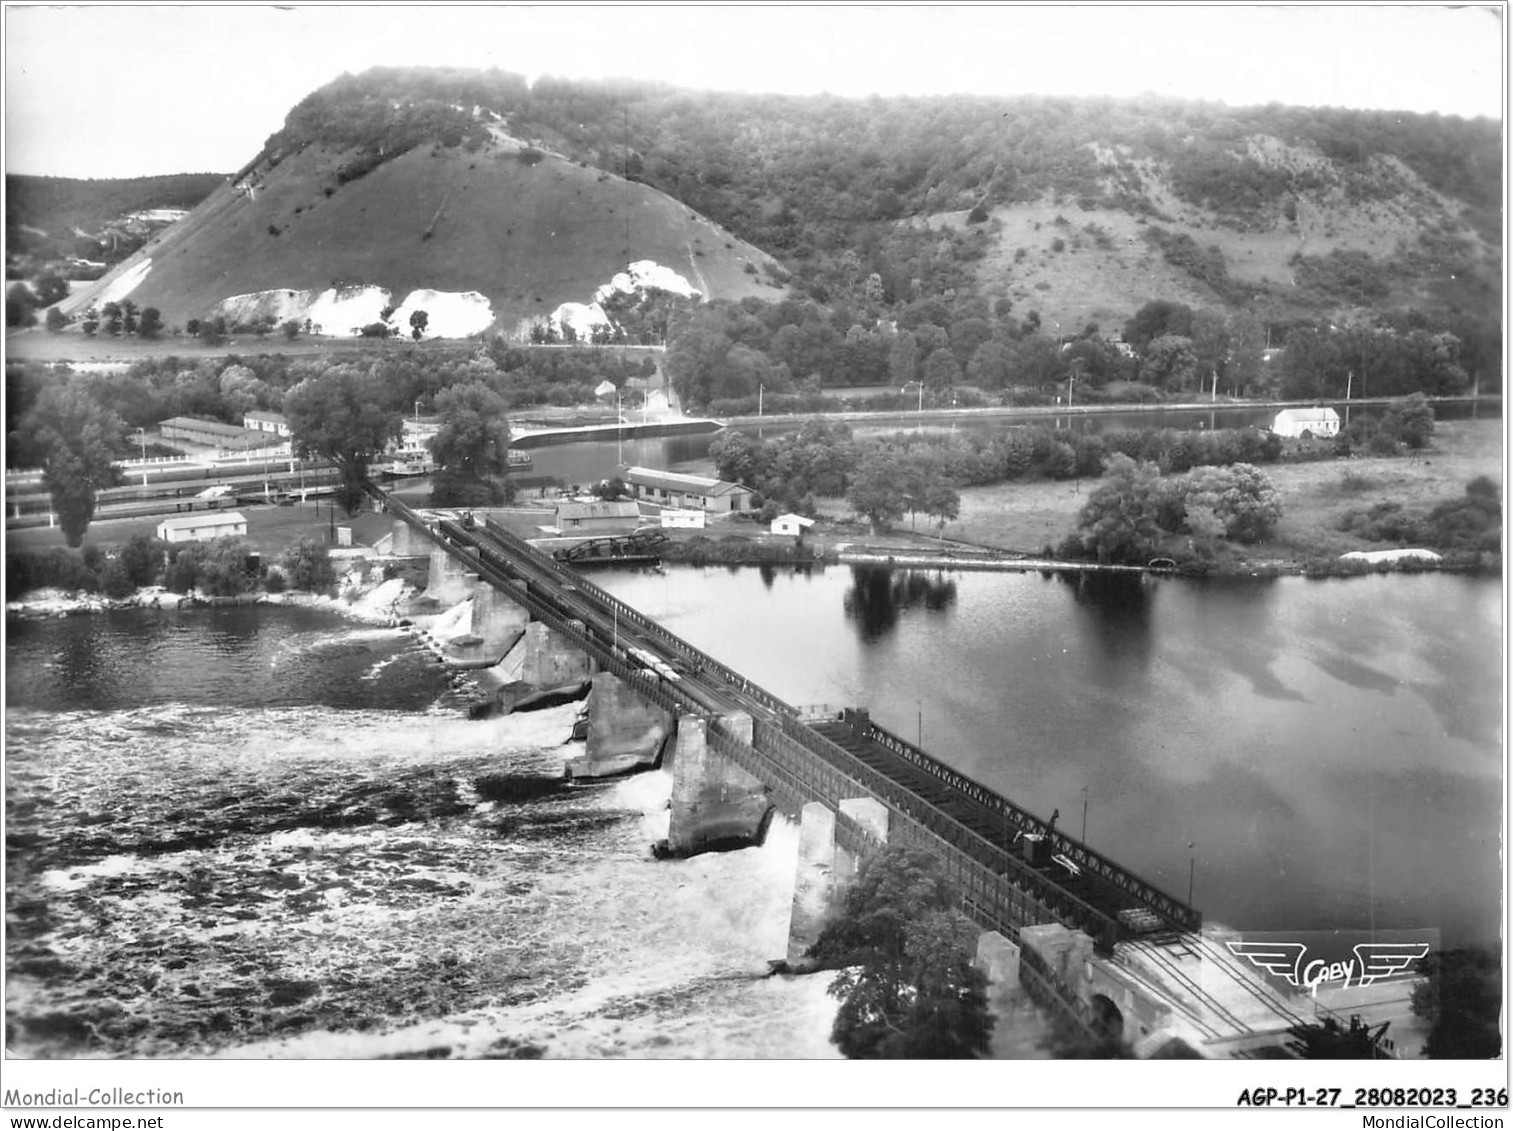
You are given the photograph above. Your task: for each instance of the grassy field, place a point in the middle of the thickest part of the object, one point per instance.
(1028, 516)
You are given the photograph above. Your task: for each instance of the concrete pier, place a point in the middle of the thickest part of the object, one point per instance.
(448, 582)
(409, 542)
(813, 880)
(998, 959)
(497, 624)
(547, 660)
(715, 803)
(624, 730)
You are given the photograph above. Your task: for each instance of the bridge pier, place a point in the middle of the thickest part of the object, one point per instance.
(448, 583)
(409, 542)
(998, 959)
(497, 624)
(547, 660)
(826, 866)
(625, 732)
(715, 803)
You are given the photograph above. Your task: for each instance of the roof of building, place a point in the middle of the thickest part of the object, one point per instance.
(214, 427)
(676, 481)
(205, 518)
(1323, 412)
(790, 519)
(271, 417)
(620, 509)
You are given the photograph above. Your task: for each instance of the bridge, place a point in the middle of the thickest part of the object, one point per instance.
(1106, 951)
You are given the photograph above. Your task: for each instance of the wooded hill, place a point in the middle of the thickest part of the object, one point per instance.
(1075, 211)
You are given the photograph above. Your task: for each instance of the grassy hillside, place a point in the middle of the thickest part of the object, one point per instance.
(528, 230)
(1324, 249)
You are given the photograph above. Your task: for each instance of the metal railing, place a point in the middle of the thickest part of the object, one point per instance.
(1175, 911)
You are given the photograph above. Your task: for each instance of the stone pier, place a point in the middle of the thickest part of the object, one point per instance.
(998, 959)
(813, 880)
(824, 868)
(498, 624)
(625, 732)
(449, 581)
(548, 660)
(409, 542)
(715, 803)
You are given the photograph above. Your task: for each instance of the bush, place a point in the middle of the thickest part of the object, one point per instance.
(142, 558)
(274, 582)
(114, 580)
(307, 565)
(52, 569)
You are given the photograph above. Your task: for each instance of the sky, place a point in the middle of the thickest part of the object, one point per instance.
(119, 91)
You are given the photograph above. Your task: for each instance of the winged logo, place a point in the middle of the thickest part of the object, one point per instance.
(1374, 962)
(1380, 961)
(1280, 959)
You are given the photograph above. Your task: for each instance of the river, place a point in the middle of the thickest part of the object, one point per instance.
(1330, 749)
(264, 832)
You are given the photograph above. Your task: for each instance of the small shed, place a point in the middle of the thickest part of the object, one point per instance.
(1307, 422)
(792, 525)
(598, 517)
(203, 526)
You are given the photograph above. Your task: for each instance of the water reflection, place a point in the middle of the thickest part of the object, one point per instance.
(878, 595)
(1116, 611)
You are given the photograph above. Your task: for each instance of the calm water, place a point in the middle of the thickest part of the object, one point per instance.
(1332, 750)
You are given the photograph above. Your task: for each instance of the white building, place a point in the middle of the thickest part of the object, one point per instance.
(203, 527)
(793, 525)
(274, 422)
(1307, 422)
(682, 520)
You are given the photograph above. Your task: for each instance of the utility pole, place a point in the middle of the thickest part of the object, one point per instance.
(1084, 814)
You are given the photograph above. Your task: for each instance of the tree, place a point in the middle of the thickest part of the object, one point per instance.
(908, 986)
(51, 288)
(1410, 420)
(128, 316)
(90, 322)
(55, 320)
(942, 370)
(1169, 363)
(343, 416)
(1461, 999)
(877, 489)
(20, 306)
(471, 447)
(110, 316)
(1155, 318)
(80, 440)
(1121, 520)
(151, 324)
(903, 358)
(418, 321)
(1240, 497)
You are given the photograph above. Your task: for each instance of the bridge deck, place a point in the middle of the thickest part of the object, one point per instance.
(1100, 894)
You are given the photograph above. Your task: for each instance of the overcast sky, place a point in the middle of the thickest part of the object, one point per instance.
(106, 91)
